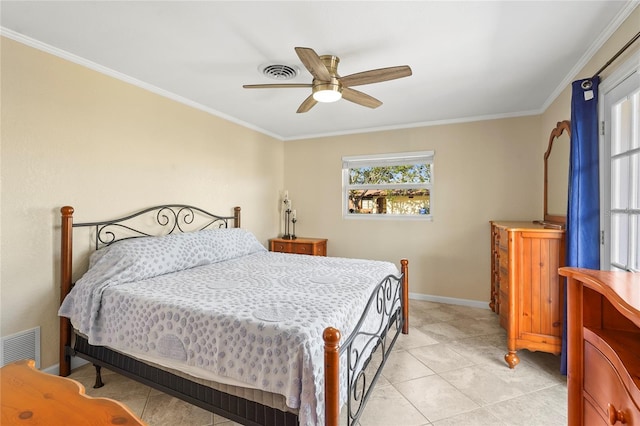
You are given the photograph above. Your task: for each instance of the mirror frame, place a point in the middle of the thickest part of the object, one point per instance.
(561, 127)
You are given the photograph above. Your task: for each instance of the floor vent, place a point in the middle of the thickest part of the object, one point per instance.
(22, 345)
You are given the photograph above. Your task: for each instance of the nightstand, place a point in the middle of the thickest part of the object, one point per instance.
(311, 246)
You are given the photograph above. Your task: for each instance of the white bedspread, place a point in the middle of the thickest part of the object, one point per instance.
(228, 307)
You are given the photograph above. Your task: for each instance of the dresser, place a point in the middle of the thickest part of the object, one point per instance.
(31, 397)
(526, 289)
(603, 347)
(311, 246)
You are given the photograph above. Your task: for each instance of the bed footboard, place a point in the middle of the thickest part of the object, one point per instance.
(393, 302)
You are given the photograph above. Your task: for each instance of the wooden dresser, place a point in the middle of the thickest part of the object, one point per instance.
(311, 246)
(31, 397)
(526, 290)
(603, 322)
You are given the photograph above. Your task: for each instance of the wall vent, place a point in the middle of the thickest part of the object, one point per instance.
(22, 345)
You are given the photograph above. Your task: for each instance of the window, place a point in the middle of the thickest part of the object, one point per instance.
(621, 174)
(388, 185)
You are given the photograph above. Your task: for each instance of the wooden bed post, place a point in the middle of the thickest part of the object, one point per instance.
(405, 295)
(331, 338)
(236, 217)
(66, 251)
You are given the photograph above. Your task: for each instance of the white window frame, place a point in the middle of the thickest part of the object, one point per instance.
(381, 160)
(622, 83)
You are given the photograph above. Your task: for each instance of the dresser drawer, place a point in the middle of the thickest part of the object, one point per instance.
(603, 385)
(503, 239)
(504, 309)
(504, 280)
(503, 260)
(309, 246)
(503, 296)
(303, 249)
(591, 416)
(281, 247)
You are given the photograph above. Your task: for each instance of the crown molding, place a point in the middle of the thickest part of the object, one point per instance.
(419, 124)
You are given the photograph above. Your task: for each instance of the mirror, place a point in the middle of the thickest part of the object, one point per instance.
(556, 174)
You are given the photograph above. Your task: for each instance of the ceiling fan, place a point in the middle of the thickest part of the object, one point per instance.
(328, 86)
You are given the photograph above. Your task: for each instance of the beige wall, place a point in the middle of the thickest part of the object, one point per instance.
(482, 171)
(73, 136)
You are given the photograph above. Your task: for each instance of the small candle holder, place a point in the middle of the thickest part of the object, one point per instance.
(293, 235)
(287, 214)
(287, 235)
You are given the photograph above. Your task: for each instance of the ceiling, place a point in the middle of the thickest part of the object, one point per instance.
(470, 59)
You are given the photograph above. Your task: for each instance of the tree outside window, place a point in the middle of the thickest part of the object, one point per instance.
(390, 184)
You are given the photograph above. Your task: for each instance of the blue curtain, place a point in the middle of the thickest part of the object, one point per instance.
(583, 213)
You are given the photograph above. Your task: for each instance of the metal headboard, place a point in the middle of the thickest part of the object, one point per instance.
(170, 218)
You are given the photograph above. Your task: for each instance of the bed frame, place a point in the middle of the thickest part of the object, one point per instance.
(178, 218)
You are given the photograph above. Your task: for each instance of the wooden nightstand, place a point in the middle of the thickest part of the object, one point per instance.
(312, 246)
(31, 397)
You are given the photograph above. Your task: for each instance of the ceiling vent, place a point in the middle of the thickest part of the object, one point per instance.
(279, 71)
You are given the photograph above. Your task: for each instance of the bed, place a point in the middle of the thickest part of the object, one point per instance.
(191, 304)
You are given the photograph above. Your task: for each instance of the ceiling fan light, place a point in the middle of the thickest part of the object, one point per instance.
(327, 91)
(327, 95)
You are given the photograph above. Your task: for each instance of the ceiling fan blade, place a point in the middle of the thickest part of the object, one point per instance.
(360, 98)
(307, 104)
(275, 86)
(313, 63)
(375, 76)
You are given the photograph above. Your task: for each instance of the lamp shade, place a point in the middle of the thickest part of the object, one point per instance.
(327, 95)
(327, 91)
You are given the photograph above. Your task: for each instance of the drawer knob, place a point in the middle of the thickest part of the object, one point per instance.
(615, 416)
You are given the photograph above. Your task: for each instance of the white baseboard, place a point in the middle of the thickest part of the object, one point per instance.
(75, 363)
(450, 300)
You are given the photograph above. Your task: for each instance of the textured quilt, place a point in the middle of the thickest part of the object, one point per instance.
(217, 301)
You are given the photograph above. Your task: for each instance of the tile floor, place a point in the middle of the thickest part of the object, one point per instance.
(449, 370)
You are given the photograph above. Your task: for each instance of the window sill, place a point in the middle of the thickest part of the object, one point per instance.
(420, 217)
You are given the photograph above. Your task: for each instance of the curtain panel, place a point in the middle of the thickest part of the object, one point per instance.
(583, 211)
